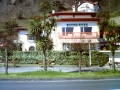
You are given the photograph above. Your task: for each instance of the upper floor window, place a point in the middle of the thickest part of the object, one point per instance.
(30, 37)
(80, 29)
(67, 29)
(86, 29)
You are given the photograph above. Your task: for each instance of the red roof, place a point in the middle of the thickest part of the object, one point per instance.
(78, 19)
(20, 28)
(93, 14)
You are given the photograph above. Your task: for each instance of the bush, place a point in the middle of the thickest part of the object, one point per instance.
(2, 56)
(115, 14)
(59, 57)
(98, 57)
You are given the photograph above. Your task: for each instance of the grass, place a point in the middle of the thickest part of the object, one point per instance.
(61, 75)
(107, 73)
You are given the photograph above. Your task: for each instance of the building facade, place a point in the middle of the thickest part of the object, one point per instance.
(76, 27)
(27, 42)
(72, 27)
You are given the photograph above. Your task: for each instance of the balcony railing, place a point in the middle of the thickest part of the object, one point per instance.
(77, 35)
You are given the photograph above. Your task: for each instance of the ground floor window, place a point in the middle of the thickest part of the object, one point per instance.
(32, 48)
(75, 46)
(66, 46)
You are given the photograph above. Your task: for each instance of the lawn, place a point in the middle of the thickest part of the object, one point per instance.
(107, 73)
(62, 75)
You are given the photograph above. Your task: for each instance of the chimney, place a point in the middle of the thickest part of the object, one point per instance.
(79, 3)
(53, 11)
(73, 8)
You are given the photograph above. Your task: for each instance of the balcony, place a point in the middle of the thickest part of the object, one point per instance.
(78, 35)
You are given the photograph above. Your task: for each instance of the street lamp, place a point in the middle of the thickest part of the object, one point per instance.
(89, 41)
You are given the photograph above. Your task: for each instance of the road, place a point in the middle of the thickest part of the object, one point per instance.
(101, 84)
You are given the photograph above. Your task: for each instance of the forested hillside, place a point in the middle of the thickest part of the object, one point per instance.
(24, 9)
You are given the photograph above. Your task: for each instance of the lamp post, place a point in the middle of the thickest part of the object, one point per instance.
(89, 41)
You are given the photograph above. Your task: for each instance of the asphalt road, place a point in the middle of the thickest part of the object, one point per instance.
(101, 84)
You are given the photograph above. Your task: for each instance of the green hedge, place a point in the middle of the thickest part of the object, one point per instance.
(59, 57)
(2, 56)
(97, 56)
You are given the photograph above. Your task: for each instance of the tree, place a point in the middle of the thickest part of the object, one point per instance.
(59, 5)
(7, 36)
(41, 30)
(40, 27)
(111, 34)
(46, 6)
(79, 47)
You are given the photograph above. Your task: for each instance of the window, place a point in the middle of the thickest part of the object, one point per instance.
(86, 29)
(32, 48)
(66, 46)
(83, 29)
(30, 37)
(67, 30)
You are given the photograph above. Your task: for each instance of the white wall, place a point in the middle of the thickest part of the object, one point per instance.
(26, 44)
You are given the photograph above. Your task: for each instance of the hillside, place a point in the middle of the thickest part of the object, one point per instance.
(11, 9)
(116, 19)
(24, 9)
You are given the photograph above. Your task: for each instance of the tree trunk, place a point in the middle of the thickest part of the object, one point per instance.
(113, 61)
(6, 63)
(44, 61)
(80, 59)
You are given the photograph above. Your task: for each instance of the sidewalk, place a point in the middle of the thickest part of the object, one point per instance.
(55, 68)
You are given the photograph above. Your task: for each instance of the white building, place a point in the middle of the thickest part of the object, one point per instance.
(72, 27)
(26, 41)
(76, 27)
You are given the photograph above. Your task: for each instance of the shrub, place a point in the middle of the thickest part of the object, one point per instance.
(59, 57)
(98, 57)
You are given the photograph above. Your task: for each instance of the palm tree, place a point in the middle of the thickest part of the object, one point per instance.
(111, 34)
(40, 28)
